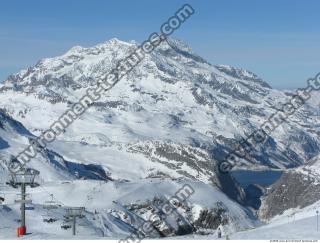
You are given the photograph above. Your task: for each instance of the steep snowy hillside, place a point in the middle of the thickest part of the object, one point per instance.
(172, 98)
(116, 203)
(15, 137)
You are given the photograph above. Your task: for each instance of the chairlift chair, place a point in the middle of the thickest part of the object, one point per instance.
(50, 205)
(27, 198)
(66, 218)
(78, 211)
(65, 226)
(49, 220)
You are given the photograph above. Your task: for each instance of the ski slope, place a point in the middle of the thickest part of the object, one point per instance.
(105, 204)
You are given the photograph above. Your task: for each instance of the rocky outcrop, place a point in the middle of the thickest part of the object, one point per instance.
(183, 220)
(294, 189)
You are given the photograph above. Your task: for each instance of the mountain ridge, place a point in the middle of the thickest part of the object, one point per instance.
(232, 101)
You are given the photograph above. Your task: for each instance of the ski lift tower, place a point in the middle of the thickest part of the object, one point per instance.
(23, 179)
(73, 213)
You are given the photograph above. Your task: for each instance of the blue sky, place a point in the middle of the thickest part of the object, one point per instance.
(278, 40)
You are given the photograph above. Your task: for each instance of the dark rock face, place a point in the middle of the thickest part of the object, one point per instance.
(3, 144)
(292, 190)
(180, 221)
(9, 124)
(177, 222)
(253, 195)
(211, 219)
(231, 188)
(242, 74)
(78, 170)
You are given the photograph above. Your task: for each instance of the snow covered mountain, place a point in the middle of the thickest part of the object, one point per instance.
(115, 208)
(165, 124)
(172, 98)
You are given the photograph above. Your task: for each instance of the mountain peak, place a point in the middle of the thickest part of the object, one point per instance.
(171, 62)
(75, 49)
(114, 42)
